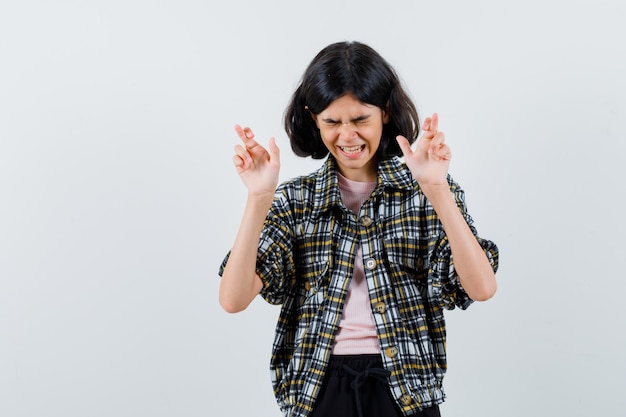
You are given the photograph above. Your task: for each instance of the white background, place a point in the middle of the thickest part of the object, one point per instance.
(118, 199)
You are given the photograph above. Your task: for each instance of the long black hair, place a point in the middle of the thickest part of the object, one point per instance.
(349, 68)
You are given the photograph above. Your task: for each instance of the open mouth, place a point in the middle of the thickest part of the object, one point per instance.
(352, 149)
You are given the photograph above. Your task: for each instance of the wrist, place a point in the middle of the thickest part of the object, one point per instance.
(439, 196)
(261, 198)
(435, 190)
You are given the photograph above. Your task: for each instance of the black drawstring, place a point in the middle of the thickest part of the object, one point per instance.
(360, 378)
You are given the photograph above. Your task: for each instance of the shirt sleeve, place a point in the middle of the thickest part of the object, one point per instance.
(445, 286)
(275, 260)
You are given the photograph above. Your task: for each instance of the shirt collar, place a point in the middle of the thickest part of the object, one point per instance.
(392, 174)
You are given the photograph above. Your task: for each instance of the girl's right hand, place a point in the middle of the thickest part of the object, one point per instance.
(257, 168)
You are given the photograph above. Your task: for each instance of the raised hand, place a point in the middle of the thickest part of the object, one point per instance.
(430, 160)
(257, 167)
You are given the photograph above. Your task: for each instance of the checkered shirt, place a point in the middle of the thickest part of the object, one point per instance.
(306, 259)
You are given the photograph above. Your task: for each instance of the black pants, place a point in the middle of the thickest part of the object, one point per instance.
(356, 386)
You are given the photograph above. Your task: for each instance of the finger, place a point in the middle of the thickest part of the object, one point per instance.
(426, 124)
(431, 125)
(442, 153)
(239, 131)
(237, 161)
(246, 135)
(243, 154)
(437, 140)
(424, 142)
(434, 123)
(244, 132)
(405, 146)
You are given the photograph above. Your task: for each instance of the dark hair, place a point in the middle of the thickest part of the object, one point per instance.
(349, 68)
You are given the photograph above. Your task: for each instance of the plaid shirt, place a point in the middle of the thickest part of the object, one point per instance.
(306, 259)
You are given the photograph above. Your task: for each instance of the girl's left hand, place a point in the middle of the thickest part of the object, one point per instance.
(430, 161)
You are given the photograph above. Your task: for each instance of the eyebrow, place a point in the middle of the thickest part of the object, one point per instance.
(356, 119)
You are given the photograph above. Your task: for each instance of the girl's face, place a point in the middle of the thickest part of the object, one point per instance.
(351, 130)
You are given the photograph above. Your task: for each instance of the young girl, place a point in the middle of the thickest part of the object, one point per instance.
(363, 254)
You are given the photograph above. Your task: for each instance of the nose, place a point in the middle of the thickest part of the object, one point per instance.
(347, 131)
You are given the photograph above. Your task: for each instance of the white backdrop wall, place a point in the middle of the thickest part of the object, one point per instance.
(118, 199)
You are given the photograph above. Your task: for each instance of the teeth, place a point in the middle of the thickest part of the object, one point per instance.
(351, 149)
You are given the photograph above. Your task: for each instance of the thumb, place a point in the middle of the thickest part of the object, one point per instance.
(274, 151)
(405, 146)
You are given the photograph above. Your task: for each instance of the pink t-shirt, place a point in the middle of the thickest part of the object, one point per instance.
(357, 333)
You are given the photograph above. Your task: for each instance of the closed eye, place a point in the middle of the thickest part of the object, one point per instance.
(330, 122)
(360, 120)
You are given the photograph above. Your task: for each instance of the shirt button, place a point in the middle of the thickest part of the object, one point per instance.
(366, 221)
(370, 264)
(391, 352)
(380, 307)
(406, 399)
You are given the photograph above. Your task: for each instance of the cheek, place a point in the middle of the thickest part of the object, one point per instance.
(325, 141)
(328, 135)
(373, 133)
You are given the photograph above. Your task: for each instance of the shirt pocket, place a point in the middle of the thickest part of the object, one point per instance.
(313, 280)
(408, 263)
(409, 280)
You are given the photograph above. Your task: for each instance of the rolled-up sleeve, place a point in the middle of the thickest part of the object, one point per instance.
(275, 262)
(445, 285)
